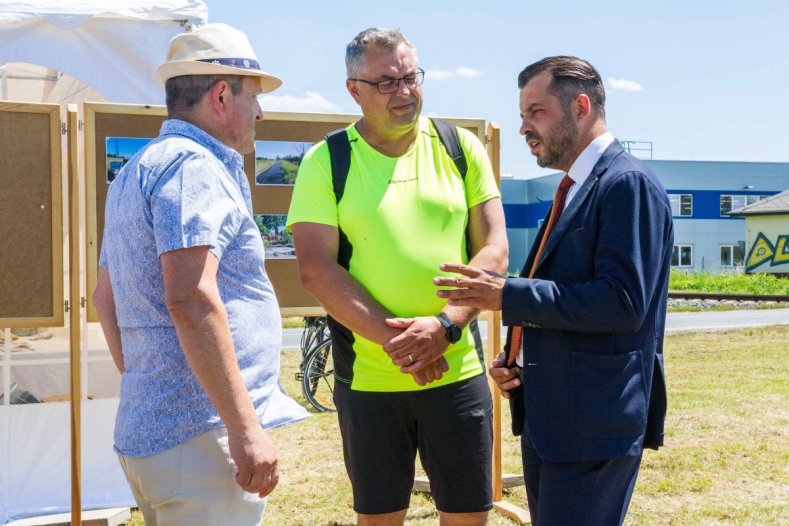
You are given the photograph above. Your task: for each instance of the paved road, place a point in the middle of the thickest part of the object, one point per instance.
(699, 321)
(675, 322)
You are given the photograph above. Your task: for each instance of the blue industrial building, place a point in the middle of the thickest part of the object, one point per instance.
(702, 193)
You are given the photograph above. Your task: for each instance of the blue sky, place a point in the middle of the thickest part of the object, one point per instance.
(701, 80)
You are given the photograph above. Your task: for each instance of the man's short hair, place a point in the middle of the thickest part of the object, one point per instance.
(184, 92)
(374, 37)
(571, 76)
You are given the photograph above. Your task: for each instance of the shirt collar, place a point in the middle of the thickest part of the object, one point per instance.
(228, 156)
(583, 165)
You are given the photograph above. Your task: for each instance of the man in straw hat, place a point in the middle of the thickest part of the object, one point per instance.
(186, 306)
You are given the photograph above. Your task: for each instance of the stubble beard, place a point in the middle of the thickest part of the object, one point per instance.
(559, 144)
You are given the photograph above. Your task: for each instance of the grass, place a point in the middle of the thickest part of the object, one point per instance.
(726, 459)
(292, 323)
(727, 283)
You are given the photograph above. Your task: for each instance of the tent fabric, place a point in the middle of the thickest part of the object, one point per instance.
(71, 14)
(35, 473)
(25, 82)
(113, 48)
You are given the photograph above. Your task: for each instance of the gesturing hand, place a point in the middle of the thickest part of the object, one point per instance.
(504, 377)
(256, 460)
(479, 288)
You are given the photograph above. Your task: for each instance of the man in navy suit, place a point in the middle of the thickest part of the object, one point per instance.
(590, 305)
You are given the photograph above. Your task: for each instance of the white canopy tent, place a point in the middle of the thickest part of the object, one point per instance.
(55, 51)
(67, 52)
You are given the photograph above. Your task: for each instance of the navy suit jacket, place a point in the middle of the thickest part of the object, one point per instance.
(594, 317)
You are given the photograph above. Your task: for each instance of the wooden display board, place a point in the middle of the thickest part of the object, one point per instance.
(31, 216)
(103, 121)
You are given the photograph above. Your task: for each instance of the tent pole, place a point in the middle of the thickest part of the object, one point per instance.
(4, 81)
(75, 316)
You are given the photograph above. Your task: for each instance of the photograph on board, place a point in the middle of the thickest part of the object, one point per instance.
(276, 238)
(277, 162)
(119, 151)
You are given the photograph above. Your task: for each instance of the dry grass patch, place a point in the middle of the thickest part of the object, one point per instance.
(726, 460)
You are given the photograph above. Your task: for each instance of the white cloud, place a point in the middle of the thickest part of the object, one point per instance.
(624, 84)
(437, 74)
(442, 74)
(468, 72)
(310, 102)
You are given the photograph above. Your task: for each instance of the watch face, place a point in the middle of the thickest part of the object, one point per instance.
(454, 333)
(451, 331)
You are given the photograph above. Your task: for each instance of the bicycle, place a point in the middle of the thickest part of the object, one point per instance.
(316, 373)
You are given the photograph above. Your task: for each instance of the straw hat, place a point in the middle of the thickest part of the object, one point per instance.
(214, 49)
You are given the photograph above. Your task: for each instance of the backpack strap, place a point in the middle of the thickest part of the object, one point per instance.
(448, 135)
(340, 155)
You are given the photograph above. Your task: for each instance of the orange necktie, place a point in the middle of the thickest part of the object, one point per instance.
(556, 211)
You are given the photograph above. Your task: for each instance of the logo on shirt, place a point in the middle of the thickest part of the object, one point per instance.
(398, 181)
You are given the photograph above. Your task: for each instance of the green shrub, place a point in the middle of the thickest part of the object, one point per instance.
(726, 283)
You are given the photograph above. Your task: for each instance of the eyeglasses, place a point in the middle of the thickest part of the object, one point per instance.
(391, 85)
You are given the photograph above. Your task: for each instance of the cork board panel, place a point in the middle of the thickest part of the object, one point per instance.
(31, 223)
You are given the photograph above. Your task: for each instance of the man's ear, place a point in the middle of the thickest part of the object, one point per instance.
(353, 89)
(582, 107)
(218, 95)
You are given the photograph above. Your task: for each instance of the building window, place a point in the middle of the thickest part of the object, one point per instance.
(682, 256)
(681, 205)
(732, 255)
(733, 202)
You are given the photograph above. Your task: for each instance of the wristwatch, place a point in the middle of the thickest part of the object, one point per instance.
(451, 331)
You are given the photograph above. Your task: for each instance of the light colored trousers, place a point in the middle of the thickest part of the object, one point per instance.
(192, 484)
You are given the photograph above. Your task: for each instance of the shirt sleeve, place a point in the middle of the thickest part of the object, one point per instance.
(313, 198)
(480, 182)
(192, 205)
(103, 263)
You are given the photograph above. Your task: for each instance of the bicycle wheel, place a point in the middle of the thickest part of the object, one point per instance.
(317, 382)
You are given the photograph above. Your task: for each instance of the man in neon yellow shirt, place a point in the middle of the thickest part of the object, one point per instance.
(409, 368)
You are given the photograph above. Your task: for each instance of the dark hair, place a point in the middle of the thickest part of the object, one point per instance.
(374, 37)
(571, 76)
(185, 91)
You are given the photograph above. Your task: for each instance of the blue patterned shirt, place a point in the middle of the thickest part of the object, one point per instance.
(186, 189)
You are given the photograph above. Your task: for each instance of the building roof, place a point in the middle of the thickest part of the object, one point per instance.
(776, 204)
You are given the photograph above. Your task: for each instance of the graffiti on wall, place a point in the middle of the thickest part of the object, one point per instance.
(763, 250)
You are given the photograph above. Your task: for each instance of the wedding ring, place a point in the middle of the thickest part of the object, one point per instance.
(410, 357)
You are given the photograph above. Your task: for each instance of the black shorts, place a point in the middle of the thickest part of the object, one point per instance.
(451, 428)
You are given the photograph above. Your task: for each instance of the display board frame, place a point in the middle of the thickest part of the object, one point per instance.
(103, 120)
(32, 282)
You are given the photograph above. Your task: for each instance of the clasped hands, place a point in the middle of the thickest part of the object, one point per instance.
(419, 349)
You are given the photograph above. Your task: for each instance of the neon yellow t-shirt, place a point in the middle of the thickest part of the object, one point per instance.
(403, 217)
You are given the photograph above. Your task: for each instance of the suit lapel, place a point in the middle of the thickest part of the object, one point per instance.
(610, 153)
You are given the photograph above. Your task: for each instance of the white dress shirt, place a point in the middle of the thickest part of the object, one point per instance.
(582, 167)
